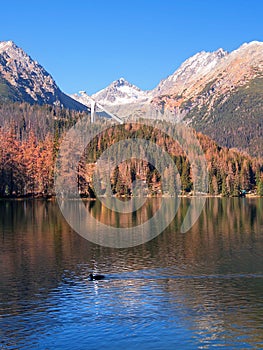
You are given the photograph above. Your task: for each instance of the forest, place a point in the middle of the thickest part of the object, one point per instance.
(30, 138)
(236, 118)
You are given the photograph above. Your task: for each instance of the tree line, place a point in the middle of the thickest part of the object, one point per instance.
(29, 142)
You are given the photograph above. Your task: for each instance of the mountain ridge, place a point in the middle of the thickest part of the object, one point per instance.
(218, 93)
(119, 92)
(23, 79)
(198, 68)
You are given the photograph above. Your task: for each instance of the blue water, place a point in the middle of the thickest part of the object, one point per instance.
(199, 290)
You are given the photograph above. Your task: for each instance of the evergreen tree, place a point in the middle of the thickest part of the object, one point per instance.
(259, 183)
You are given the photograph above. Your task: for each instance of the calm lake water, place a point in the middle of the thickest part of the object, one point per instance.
(201, 289)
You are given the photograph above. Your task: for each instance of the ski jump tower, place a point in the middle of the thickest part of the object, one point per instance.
(94, 104)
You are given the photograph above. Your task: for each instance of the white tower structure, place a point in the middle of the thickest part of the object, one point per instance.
(92, 110)
(93, 104)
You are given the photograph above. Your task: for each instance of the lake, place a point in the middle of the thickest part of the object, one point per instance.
(196, 290)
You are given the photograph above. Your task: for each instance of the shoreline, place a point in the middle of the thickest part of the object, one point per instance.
(54, 198)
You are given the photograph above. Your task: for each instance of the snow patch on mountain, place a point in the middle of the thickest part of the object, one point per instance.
(200, 76)
(189, 72)
(119, 92)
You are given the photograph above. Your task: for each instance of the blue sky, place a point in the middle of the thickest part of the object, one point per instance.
(88, 44)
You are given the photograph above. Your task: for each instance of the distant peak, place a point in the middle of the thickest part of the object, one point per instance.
(8, 43)
(120, 82)
(221, 52)
(4, 45)
(252, 43)
(203, 55)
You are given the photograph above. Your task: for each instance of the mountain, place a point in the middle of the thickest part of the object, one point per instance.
(24, 80)
(217, 73)
(120, 92)
(225, 102)
(218, 93)
(190, 72)
(120, 97)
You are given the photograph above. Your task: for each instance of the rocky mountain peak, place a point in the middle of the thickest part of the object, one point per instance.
(119, 92)
(7, 45)
(121, 82)
(23, 79)
(18, 68)
(189, 72)
(221, 53)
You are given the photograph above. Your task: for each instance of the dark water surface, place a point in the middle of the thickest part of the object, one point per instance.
(201, 289)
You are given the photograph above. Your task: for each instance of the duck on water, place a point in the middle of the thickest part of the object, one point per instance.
(95, 277)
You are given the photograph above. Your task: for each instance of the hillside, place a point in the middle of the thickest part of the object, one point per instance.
(225, 102)
(30, 138)
(235, 120)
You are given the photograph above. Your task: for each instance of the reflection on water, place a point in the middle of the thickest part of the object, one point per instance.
(99, 225)
(194, 290)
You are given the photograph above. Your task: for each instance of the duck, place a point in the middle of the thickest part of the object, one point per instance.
(96, 277)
